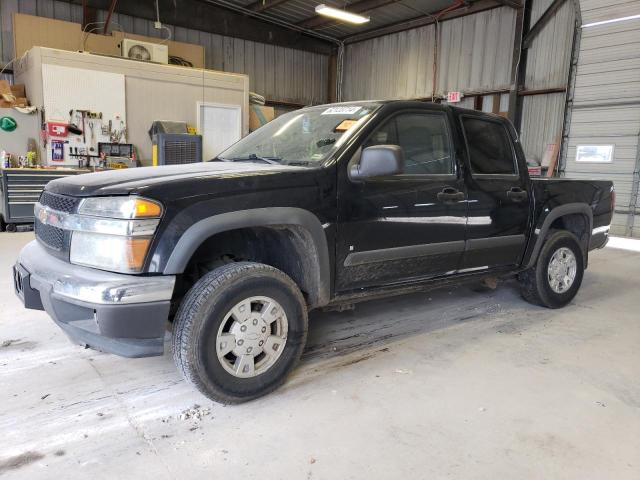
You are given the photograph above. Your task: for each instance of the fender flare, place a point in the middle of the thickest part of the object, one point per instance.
(554, 214)
(200, 231)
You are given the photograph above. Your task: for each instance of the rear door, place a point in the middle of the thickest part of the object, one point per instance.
(498, 200)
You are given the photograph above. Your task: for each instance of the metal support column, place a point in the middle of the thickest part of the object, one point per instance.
(633, 201)
(571, 87)
(519, 64)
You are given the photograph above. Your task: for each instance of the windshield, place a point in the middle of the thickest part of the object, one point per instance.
(304, 137)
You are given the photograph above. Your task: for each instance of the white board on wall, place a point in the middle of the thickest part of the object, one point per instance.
(69, 88)
(220, 126)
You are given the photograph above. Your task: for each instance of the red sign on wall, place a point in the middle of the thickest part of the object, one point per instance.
(57, 129)
(454, 97)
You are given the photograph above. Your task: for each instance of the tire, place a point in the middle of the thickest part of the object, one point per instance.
(537, 283)
(11, 227)
(215, 308)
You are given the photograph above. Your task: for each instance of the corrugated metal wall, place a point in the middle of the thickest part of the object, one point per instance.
(474, 55)
(542, 121)
(606, 107)
(279, 73)
(548, 63)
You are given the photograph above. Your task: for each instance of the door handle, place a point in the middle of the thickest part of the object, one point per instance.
(516, 194)
(450, 195)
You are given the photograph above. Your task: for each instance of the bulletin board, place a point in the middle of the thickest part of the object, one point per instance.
(67, 89)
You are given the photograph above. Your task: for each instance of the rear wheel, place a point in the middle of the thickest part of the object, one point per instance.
(557, 275)
(239, 331)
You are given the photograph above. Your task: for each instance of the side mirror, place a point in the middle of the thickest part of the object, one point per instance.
(378, 161)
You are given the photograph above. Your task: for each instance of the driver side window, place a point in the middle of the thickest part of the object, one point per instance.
(424, 140)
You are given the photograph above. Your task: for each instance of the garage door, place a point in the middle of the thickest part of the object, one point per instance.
(605, 118)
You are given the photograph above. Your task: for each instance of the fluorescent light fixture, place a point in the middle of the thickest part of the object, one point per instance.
(343, 15)
(613, 20)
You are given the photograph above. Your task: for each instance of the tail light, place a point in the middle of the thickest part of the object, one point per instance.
(613, 200)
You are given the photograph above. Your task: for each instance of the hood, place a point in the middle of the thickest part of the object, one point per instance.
(188, 178)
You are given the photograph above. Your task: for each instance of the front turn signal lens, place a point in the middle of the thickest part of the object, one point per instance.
(146, 208)
(109, 252)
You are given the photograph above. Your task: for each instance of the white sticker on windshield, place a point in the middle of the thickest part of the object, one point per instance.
(347, 110)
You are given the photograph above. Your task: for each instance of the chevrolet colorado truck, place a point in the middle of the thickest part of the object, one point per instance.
(323, 207)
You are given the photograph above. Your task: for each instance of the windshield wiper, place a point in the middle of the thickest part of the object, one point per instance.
(298, 163)
(254, 158)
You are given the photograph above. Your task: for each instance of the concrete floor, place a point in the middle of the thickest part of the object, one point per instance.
(452, 384)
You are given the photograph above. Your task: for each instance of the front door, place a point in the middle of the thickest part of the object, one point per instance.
(409, 226)
(497, 196)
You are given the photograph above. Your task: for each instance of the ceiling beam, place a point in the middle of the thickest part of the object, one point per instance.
(207, 17)
(511, 3)
(357, 7)
(421, 21)
(548, 14)
(262, 5)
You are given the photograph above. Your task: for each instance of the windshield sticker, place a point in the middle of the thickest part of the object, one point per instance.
(347, 110)
(306, 124)
(345, 125)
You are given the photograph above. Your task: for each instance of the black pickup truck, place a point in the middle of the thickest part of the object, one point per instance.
(323, 207)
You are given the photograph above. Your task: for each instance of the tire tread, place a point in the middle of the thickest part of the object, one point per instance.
(533, 280)
(185, 318)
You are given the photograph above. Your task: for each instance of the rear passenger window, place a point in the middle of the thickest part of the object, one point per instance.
(424, 140)
(489, 147)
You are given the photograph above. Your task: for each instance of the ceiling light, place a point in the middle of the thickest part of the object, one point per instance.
(341, 14)
(613, 20)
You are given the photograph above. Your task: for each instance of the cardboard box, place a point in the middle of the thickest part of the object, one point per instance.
(30, 31)
(5, 88)
(18, 102)
(12, 95)
(19, 90)
(260, 115)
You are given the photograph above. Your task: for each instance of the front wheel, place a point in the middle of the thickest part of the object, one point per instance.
(556, 277)
(239, 331)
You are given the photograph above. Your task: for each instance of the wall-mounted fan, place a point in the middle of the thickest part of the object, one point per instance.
(145, 51)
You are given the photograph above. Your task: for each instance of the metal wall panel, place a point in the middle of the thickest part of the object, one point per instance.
(549, 57)
(278, 73)
(606, 108)
(542, 119)
(548, 63)
(474, 55)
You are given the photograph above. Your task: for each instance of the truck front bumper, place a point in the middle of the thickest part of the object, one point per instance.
(115, 313)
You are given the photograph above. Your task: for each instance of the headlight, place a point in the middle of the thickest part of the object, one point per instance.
(113, 233)
(120, 207)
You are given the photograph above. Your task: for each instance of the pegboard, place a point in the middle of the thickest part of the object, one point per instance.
(69, 88)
